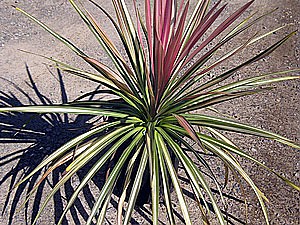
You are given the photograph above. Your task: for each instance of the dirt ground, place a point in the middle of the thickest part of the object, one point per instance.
(27, 79)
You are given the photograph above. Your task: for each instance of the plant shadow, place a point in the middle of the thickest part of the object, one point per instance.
(44, 134)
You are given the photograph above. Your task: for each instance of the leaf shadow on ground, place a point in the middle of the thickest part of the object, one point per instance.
(44, 134)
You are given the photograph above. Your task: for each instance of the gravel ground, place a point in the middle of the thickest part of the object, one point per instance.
(26, 79)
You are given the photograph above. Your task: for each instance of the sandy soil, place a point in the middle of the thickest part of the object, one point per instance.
(27, 79)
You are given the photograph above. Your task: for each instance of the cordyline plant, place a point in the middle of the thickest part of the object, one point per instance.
(158, 92)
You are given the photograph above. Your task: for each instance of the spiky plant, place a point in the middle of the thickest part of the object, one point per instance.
(159, 91)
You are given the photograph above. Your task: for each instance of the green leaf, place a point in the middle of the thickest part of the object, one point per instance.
(84, 158)
(136, 186)
(96, 167)
(230, 125)
(111, 180)
(225, 157)
(67, 146)
(167, 160)
(252, 60)
(194, 174)
(155, 185)
(64, 109)
(53, 33)
(166, 188)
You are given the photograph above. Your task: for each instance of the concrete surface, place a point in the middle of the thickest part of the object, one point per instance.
(278, 111)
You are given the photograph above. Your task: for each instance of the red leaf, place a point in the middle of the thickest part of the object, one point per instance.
(188, 127)
(175, 45)
(220, 29)
(149, 31)
(198, 33)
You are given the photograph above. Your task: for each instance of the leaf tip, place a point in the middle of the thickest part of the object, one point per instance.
(15, 7)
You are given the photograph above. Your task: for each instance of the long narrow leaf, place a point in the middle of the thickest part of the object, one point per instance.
(96, 167)
(136, 187)
(194, 174)
(110, 182)
(64, 109)
(175, 181)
